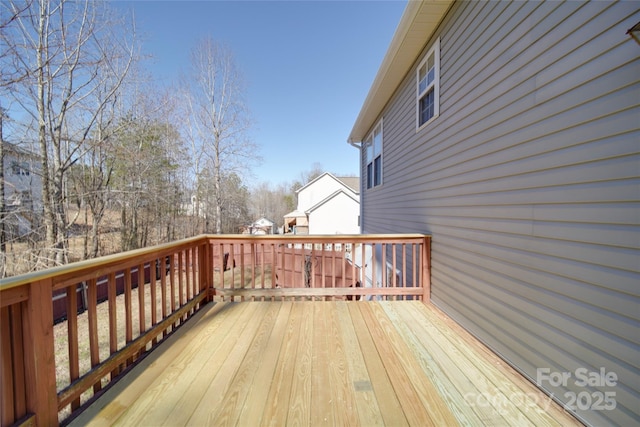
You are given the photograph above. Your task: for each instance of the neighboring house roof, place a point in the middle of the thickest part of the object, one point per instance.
(353, 182)
(332, 196)
(263, 221)
(418, 22)
(347, 182)
(16, 149)
(295, 214)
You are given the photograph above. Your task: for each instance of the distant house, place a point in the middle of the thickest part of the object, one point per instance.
(22, 189)
(326, 205)
(260, 227)
(195, 207)
(510, 132)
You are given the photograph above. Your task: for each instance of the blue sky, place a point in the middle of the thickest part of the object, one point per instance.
(308, 66)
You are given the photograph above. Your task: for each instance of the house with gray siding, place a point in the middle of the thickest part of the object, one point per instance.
(510, 132)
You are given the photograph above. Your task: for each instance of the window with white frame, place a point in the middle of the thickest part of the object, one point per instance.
(373, 146)
(427, 86)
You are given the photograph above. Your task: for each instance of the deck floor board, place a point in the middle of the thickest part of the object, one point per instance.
(322, 363)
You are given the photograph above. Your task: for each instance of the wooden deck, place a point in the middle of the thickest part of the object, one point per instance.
(323, 363)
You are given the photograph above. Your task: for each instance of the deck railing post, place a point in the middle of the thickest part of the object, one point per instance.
(205, 270)
(40, 371)
(426, 269)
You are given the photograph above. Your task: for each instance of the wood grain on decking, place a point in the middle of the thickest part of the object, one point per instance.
(322, 363)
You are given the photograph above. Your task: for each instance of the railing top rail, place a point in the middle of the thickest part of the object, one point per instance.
(319, 238)
(95, 263)
(167, 248)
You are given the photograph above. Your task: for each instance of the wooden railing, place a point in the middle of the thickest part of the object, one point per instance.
(68, 332)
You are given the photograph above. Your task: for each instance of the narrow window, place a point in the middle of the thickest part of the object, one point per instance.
(427, 86)
(20, 168)
(373, 146)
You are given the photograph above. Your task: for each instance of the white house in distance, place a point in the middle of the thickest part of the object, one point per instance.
(326, 205)
(261, 226)
(22, 188)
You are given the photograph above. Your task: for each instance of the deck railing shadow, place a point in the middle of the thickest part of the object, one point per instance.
(70, 332)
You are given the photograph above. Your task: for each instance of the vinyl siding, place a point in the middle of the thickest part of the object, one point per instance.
(529, 182)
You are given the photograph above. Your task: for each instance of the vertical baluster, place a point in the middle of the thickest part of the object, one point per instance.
(187, 273)
(354, 279)
(181, 280)
(242, 264)
(384, 282)
(92, 311)
(230, 264)
(194, 273)
(273, 268)
(404, 269)
(262, 272)
(141, 280)
(283, 263)
(223, 266)
(333, 266)
(394, 278)
(322, 267)
(172, 286)
(72, 334)
(7, 369)
(374, 270)
(363, 270)
(343, 263)
(159, 270)
(128, 309)
(414, 262)
(254, 258)
(196, 270)
(17, 353)
(163, 290)
(113, 320)
(178, 280)
(311, 267)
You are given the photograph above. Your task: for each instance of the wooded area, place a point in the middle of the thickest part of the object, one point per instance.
(121, 162)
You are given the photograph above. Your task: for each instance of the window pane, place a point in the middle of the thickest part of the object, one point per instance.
(426, 107)
(422, 80)
(432, 69)
(377, 141)
(431, 76)
(369, 175)
(378, 171)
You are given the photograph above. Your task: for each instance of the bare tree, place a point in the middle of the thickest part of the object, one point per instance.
(272, 202)
(193, 174)
(220, 116)
(75, 58)
(145, 155)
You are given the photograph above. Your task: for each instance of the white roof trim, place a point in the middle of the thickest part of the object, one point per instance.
(332, 196)
(418, 23)
(310, 183)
